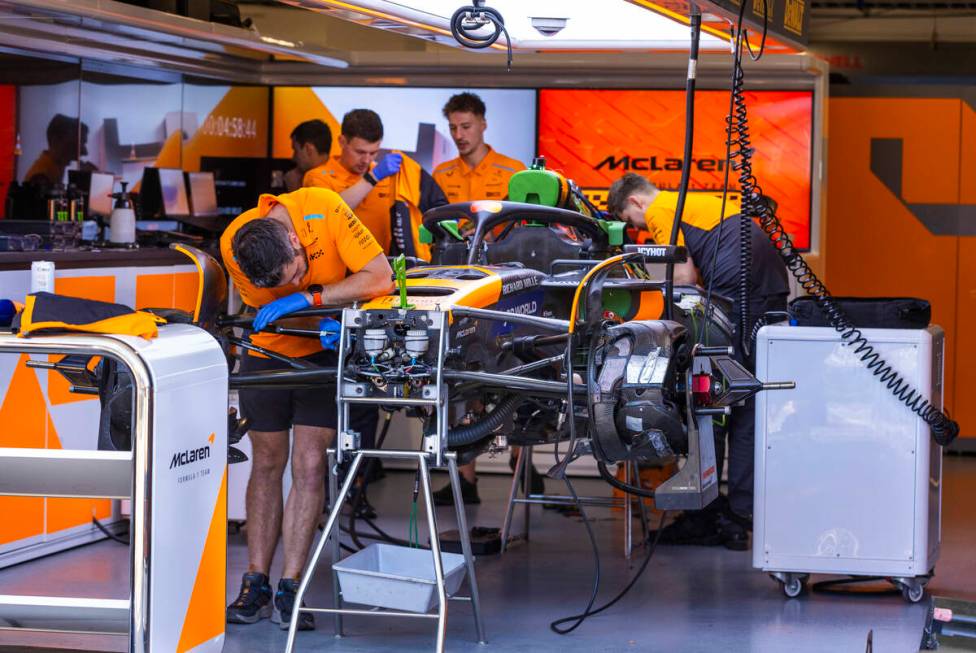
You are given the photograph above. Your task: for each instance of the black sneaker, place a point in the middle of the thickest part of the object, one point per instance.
(253, 603)
(284, 601)
(691, 528)
(469, 494)
(735, 530)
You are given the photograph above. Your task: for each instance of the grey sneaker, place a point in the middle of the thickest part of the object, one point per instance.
(254, 602)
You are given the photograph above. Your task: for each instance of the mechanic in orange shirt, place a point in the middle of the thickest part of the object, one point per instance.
(292, 251)
(479, 172)
(366, 186)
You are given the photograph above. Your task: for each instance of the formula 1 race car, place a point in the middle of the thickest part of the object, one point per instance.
(483, 342)
(540, 326)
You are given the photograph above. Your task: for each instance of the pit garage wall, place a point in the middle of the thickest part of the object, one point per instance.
(901, 202)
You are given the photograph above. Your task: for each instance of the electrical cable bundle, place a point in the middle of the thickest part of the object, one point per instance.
(467, 20)
(944, 429)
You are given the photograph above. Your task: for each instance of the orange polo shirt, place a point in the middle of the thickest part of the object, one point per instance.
(45, 167)
(486, 181)
(335, 243)
(374, 210)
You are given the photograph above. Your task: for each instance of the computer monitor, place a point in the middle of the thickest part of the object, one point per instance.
(172, 186)
(98, 186)
(203, 194)
(100, 194)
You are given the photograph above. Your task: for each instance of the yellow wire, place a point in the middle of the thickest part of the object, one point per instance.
(613, 260)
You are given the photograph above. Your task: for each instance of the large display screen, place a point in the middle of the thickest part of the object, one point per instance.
(412, 118)
(594, 136)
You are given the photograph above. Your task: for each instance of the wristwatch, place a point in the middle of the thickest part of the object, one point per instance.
(368, 176)
(316, 292)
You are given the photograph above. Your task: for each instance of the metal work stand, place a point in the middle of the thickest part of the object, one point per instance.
(423, 462)
(523, 471)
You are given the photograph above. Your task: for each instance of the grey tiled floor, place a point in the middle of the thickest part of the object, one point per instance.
(689, 600)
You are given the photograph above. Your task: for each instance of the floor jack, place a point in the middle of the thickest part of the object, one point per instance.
(374, 334)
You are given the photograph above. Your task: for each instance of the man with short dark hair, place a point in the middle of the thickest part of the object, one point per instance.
(713, 254)
(292, 251)
(366, 186)
(311, 143)
(478, 172)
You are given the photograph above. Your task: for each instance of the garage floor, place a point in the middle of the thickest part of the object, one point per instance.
(690, 599)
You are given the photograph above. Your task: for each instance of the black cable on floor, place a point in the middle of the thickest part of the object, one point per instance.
(109, 534)
(651, 548)
(578, 619)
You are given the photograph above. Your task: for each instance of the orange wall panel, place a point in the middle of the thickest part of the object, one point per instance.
(965, 411)
(177, 290)
(24, 418)
(877, 246)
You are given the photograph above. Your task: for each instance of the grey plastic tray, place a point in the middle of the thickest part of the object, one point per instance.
(397, 577)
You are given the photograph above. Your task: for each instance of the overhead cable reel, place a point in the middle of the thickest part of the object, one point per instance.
(468, 27)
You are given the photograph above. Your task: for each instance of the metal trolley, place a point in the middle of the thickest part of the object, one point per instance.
(433, 454)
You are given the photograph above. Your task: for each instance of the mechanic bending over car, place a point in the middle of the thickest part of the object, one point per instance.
(641, 204)
(296, 250)
(478, 173)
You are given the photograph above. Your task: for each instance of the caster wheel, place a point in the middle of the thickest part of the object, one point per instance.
(913, 593)
(793, 587)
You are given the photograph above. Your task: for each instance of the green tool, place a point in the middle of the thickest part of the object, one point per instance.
(400, 273)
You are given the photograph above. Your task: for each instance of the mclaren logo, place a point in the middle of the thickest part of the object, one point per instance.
(657, 164)
(190, 456)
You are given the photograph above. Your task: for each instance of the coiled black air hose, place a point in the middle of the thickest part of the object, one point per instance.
(944, 429)
(742, 161)
(479, 13)
(471, 433)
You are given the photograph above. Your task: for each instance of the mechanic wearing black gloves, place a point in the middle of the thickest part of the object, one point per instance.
(293, 251)
(639, 202)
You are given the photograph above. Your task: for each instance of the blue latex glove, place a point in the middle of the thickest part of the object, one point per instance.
(329, 331)
(7, 312)
(280, 308)
(390, 165)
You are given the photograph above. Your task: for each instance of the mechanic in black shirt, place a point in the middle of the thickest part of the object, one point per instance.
(640, 203)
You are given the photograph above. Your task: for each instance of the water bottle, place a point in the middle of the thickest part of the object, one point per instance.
(42, 276)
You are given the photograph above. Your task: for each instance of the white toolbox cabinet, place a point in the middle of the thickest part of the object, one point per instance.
(848, 479)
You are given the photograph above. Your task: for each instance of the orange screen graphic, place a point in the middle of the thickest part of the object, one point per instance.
(595, 136)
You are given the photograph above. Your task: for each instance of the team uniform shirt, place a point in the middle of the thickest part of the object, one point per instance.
(45, 166)
(373, 211)
(700, 233)
(486, 181)
(335, 243)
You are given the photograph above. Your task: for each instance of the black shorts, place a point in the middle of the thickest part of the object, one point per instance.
(279, 410)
